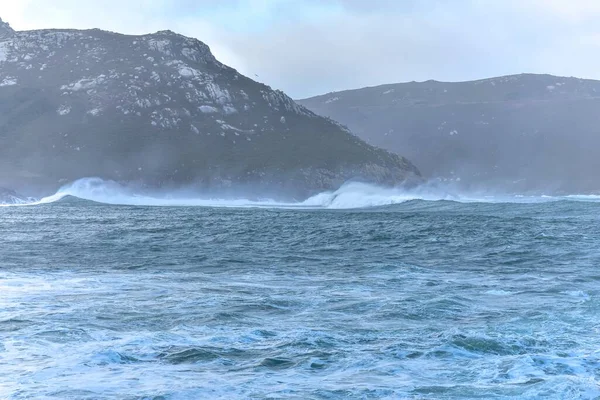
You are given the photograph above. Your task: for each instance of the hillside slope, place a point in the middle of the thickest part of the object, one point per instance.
(160, 110)
(523, 133)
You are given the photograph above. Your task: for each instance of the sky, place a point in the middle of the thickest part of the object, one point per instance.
(311, 47)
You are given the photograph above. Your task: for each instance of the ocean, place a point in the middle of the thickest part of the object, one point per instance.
(363, 293)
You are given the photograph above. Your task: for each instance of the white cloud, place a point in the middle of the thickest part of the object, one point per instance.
(14, 12)
(574, 11)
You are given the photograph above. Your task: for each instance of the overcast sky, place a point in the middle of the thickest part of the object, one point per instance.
(310, 47)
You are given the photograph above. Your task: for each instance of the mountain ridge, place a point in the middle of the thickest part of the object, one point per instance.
(441, 82)
(520, 133)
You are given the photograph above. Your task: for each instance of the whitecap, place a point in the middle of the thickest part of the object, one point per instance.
(351, 195)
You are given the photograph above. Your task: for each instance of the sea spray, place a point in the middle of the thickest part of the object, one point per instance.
(351, 195)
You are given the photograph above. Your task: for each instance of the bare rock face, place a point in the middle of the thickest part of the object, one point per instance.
(524, 133)
(160, 110)
(5, 30)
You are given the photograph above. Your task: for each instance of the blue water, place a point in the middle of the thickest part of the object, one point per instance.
(417, 300)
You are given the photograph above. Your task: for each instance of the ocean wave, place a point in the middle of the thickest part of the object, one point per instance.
(349, 196)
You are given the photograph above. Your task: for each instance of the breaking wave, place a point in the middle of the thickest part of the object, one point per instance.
(348, 196)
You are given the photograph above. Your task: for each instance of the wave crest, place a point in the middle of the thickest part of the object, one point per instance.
(348, 196)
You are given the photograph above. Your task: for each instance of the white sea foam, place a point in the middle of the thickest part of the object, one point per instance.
(348, 196)
(584, 197)
(108, 192)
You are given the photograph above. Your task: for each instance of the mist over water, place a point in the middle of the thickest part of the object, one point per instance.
(349, 196)
(481, 283)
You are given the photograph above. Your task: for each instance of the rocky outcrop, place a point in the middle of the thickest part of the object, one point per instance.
(5, 30)
(160, 110)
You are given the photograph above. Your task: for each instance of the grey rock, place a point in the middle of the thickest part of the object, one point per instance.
(159, 110)
(5, 30)
(524, 133)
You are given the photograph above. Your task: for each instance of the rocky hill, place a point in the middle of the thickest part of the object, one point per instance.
(160, 110)
(522, 133)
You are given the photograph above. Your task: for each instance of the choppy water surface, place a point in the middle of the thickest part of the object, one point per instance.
(420, 300)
